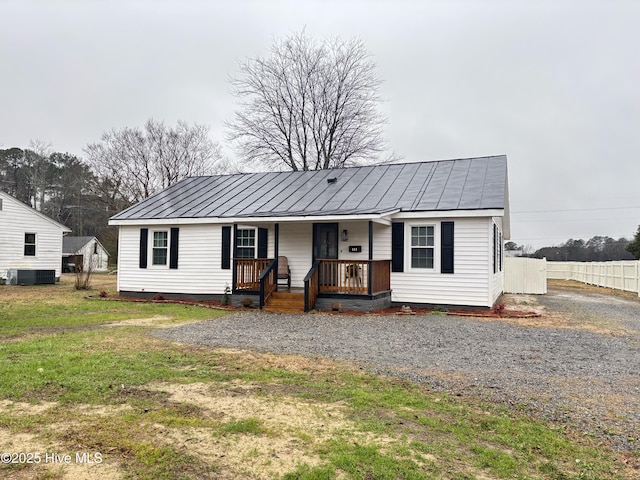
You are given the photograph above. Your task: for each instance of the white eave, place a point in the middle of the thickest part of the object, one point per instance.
(382, 218)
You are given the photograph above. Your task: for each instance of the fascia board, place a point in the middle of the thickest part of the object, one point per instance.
(378, 217)
(495, 212)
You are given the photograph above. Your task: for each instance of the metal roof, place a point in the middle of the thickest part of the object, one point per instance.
(462, 184)
(71, 245)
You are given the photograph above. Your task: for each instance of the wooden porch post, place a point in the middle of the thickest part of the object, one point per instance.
(369, 279)
(276, 240)
(234, 255)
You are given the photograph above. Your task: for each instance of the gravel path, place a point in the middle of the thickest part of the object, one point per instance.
(587, 380)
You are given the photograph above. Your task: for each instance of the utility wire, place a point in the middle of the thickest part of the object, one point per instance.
(574, 210)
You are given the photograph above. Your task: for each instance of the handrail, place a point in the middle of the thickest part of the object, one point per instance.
(247, 272)
(267, 282)
(311, 286)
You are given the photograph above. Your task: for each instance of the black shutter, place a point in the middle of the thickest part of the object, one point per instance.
(446, 247)
(173, 248)
(144, 242)
(262, 242)
(397, 247)
(226, 248)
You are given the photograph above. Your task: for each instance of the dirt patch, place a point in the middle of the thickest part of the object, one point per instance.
(572, 285)
(47, 459)
(23, 408)
(142, 322)
(291, 428)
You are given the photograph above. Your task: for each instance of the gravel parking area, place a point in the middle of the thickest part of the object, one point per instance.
(587, 380)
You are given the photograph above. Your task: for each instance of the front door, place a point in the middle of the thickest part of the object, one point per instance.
(325, 247)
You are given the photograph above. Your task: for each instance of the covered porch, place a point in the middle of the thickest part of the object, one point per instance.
(329, 260)
(336, 279)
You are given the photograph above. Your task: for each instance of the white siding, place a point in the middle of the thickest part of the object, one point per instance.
(296, 243)
(358, 235)
(381, 242)
(17, 219)
(99, 260)
(200, 250)
(497, 278)
(199, 262)
(469, 285)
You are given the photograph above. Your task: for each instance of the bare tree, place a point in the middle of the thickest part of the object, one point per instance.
(137, 163)
(308, 106)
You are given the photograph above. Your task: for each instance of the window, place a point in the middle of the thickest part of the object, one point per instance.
(422, 246)
(497, 249)
(29, 244)
(160, 248)
(246, 243)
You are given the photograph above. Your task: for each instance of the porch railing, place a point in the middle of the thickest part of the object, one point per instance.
(355, 276)
(248, 271)
(267, 282)
(311, 286)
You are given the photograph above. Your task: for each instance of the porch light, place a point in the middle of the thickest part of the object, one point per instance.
(344, 236)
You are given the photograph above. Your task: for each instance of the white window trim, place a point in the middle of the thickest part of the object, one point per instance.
(409, 248)
(161, 266)
(255, 241)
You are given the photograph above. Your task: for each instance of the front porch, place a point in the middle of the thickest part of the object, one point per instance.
(328, 281)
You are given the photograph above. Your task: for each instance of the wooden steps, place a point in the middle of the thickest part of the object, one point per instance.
(285, 302)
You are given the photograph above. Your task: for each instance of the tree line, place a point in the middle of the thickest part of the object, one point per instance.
(126, 166)
(596, 249)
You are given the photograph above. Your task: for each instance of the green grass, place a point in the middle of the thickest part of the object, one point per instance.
(390, 429)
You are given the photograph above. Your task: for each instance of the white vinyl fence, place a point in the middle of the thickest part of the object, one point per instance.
(525, 275)
(623, 275)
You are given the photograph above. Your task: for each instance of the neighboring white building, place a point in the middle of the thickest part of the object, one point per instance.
(77, 251)
(29, 240)
(414, 233)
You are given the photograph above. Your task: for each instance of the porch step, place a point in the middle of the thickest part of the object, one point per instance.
(285, 302)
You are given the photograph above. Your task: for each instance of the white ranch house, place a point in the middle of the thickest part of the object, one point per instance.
(30, 243)
(427, 233)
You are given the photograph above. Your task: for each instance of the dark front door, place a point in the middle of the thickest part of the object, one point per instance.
(325, 247)
(325, 241)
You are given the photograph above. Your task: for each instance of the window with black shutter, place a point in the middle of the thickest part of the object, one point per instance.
(226, 248)
(397, 247)
(144, 239)
(446, 247)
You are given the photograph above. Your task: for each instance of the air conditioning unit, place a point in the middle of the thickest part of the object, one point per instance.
(30, 277)
(12, 277)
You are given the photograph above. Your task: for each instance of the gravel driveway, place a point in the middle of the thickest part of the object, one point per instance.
(590, 381)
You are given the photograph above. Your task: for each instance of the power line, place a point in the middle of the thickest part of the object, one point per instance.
(576, 220)
(574, 210)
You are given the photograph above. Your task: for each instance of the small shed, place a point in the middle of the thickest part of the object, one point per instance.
(76, 251)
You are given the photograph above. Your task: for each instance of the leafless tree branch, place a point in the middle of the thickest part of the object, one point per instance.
(308, 105)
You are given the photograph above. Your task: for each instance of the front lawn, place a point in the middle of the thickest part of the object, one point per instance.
(78, 376)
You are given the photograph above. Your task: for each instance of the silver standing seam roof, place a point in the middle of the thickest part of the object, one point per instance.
(462, 184)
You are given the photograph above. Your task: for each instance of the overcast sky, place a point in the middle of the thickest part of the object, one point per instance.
(554, 85)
